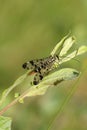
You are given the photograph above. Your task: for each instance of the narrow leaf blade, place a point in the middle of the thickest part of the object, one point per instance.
(82, 50)
(66, 46)
(59, 44)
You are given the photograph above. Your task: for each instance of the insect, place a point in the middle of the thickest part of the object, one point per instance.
(41, 67)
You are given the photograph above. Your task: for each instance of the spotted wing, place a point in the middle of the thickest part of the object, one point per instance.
(41, 66)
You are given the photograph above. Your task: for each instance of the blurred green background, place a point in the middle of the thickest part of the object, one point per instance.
(29, 29)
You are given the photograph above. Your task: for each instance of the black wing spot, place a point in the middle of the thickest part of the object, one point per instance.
(32, 62)
(41, 77)
(35, 65)
(43, 66)
(24, 65)
(35, 82)
(37, 69)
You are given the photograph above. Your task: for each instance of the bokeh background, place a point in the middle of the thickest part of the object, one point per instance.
(29, 29)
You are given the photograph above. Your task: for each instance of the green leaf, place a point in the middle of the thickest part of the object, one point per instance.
(59, 44)
(67, 45)
(25, 80)
(82, 50)
(75, 53)
(68, 57)
(5, 123)
(51, 80)
(19, 81)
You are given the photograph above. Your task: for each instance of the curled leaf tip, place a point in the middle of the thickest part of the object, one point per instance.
(76, 73)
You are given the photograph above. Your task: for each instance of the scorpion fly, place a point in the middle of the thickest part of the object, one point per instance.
(41, 67)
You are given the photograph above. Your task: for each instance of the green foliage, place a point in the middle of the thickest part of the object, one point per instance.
(28, 30)
(52, 79)
(60, 75)
(5, 123)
